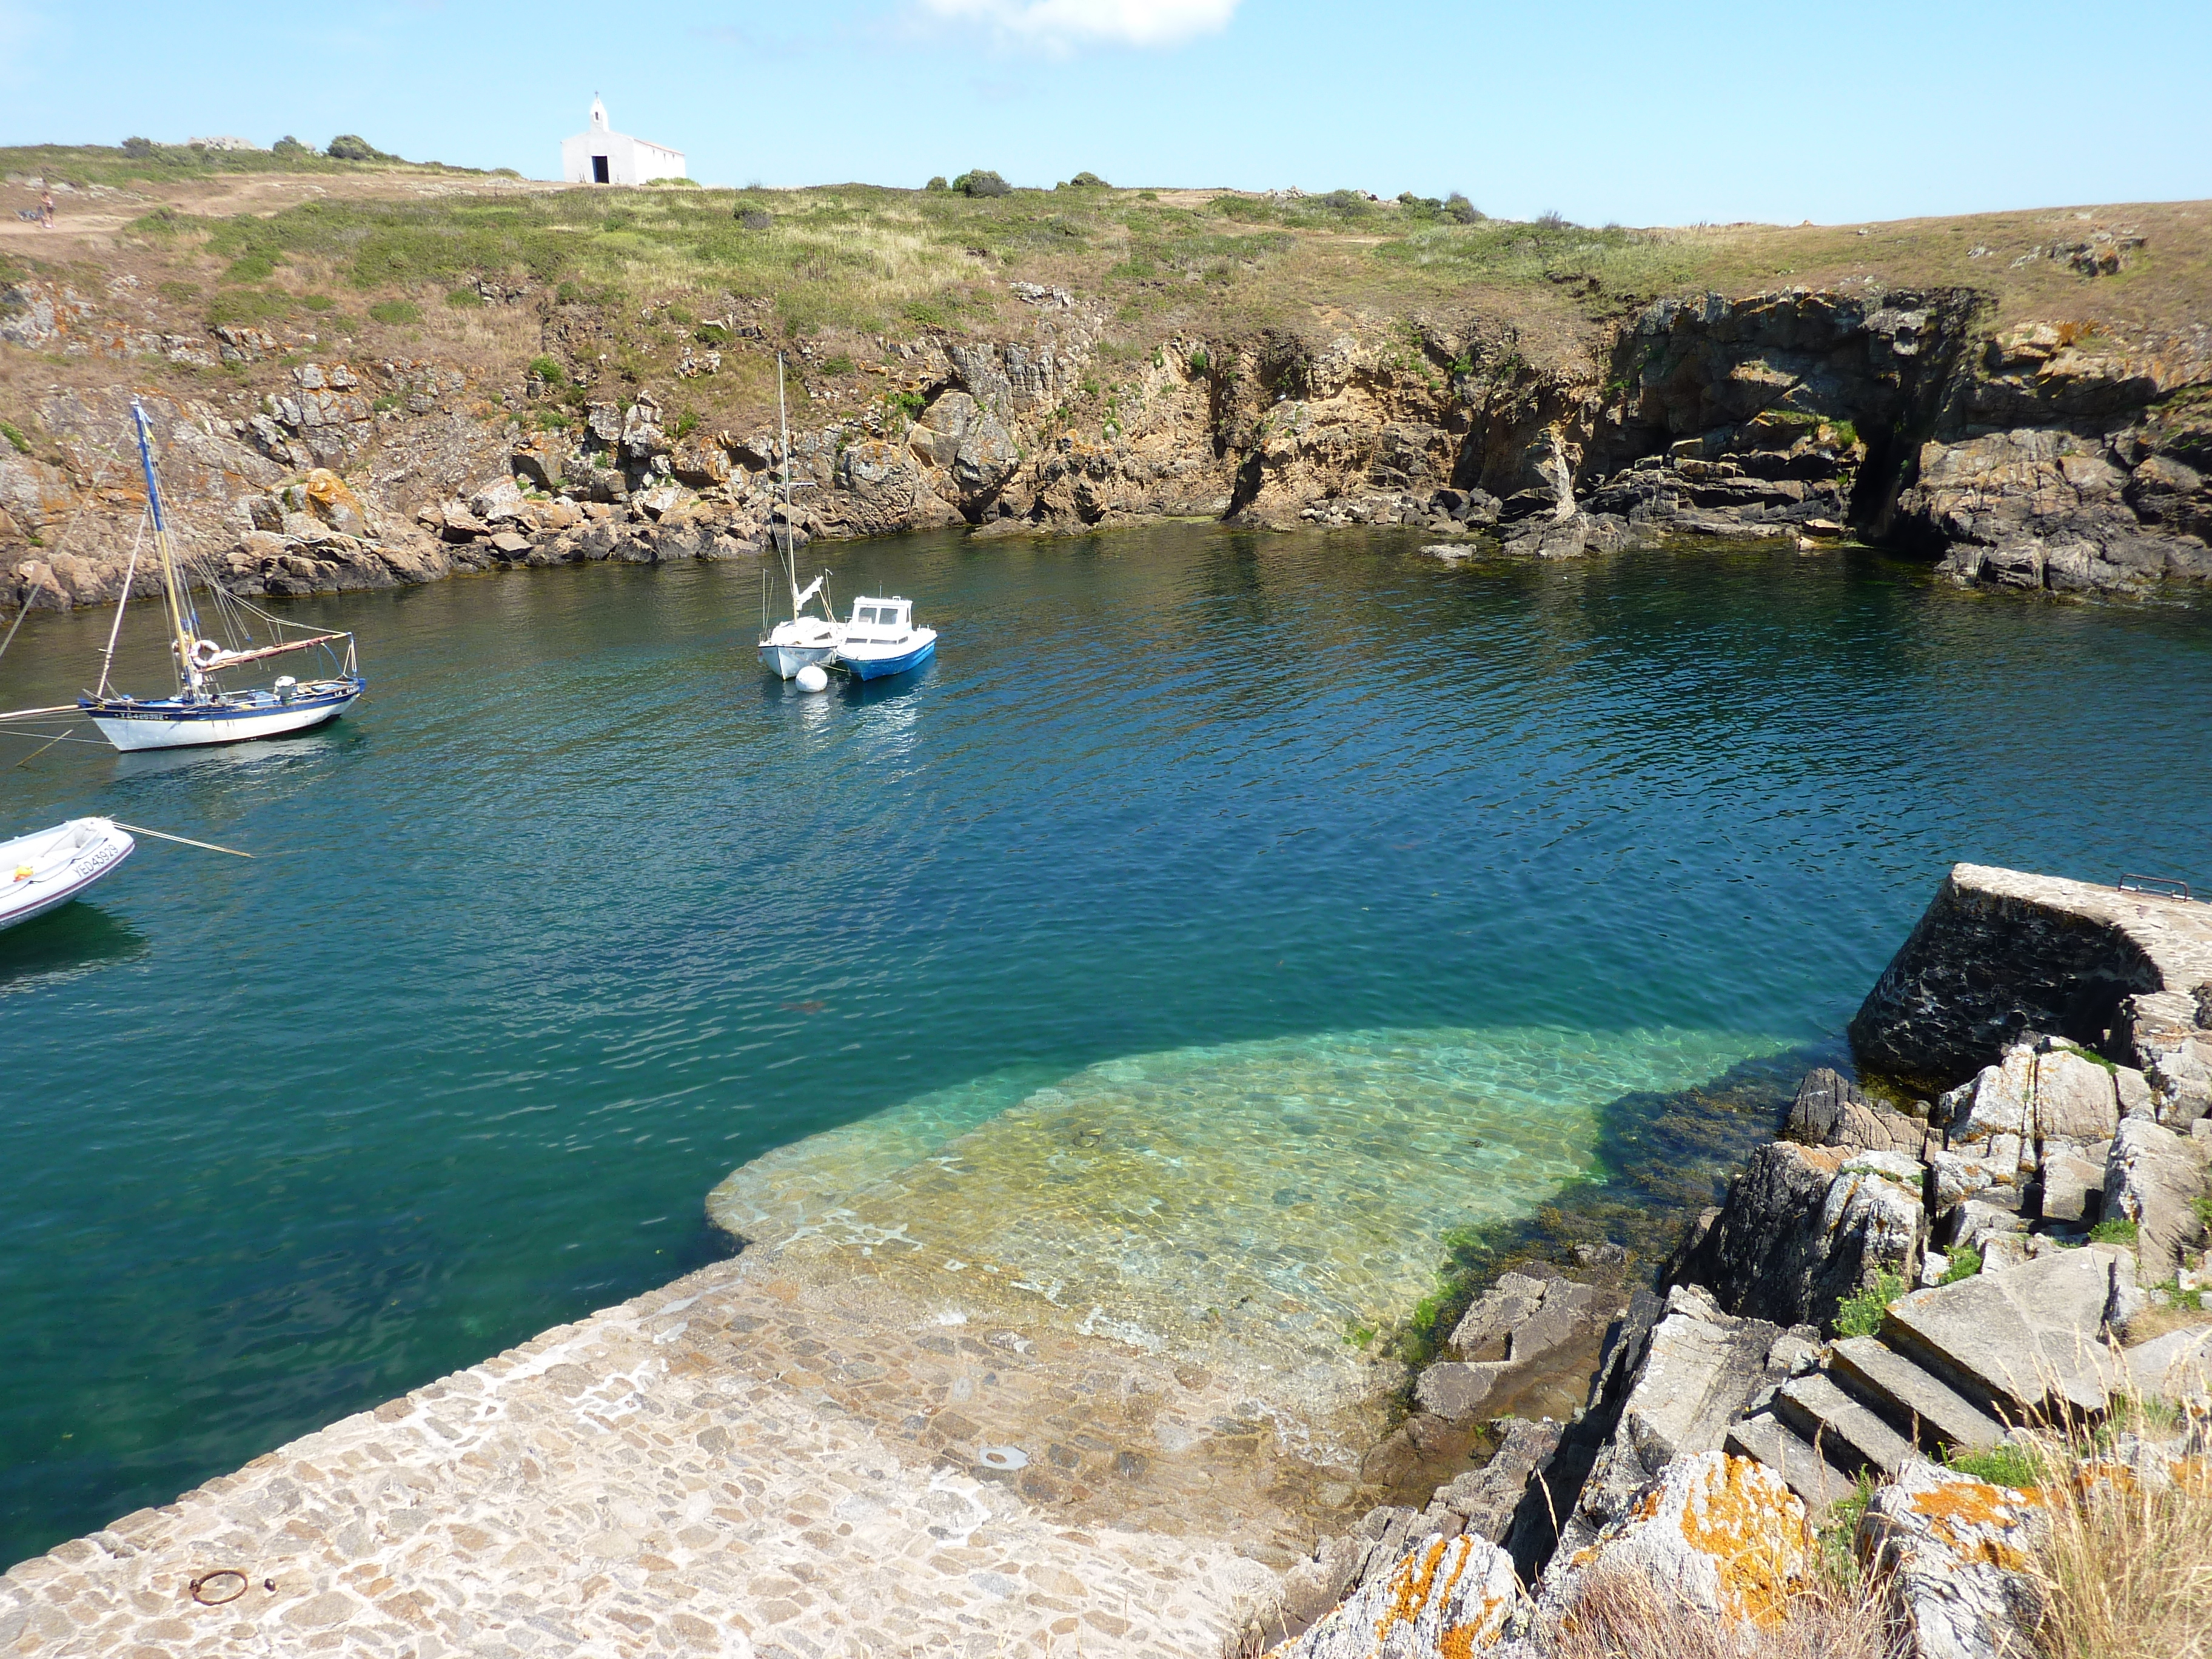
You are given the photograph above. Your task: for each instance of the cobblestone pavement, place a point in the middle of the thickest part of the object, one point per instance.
(766, 1458)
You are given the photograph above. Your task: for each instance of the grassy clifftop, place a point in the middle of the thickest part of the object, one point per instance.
(399, 260)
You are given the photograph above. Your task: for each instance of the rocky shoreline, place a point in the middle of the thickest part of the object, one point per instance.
(789, 1453)
(2042, 456)
(1884, 1297)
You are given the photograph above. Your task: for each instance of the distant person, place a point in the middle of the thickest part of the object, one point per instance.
(46, 210)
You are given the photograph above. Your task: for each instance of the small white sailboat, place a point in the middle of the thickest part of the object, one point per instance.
(49, 867)
(804, 641)
(203, 710)
(882, 640)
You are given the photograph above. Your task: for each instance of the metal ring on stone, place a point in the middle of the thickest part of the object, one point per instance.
(208, 1581)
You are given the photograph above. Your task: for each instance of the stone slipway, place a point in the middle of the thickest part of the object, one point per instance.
(745, 1462)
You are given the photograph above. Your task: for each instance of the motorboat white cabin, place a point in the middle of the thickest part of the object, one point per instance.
(882, 640)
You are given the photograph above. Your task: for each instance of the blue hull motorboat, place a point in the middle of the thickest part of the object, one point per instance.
(882, 640)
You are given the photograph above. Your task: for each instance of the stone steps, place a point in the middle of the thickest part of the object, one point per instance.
(1953, 1366)
(1816, 1480)
(2019, 1344)
(1846, 1432)
(1922, 1409)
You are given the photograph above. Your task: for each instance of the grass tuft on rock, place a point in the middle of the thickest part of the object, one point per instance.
(1860, 1315)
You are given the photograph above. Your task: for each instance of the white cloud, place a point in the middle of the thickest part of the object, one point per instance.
(1062, 23)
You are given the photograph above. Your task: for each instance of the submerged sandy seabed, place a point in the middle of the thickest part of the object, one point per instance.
(1257, 1208)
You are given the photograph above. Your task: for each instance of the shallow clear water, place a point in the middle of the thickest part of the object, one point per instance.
(576, 914)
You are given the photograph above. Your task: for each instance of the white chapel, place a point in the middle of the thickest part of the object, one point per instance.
(601, 156)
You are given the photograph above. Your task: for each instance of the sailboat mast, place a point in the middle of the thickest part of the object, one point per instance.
(783, 428)
(172, 585)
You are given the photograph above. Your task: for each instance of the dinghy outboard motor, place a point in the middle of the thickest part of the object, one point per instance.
(285, 686)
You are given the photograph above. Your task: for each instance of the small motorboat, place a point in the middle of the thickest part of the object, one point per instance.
(50, 867)
(882, 640)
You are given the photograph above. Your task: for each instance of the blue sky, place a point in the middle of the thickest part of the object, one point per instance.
(1646, 114)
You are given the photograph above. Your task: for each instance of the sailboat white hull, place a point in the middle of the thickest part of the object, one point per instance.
(784, 662)
(167, 724)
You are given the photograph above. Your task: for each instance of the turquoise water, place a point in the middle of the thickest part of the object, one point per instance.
(577, 915)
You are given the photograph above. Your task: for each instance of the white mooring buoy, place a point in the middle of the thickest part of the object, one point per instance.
(812, 678)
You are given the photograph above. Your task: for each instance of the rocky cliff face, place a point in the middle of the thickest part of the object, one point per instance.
(2043, 457)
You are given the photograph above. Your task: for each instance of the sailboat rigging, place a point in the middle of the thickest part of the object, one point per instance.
(803, 640)
(202, 710)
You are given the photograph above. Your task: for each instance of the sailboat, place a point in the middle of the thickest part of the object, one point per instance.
(803, 640)
(203, 709)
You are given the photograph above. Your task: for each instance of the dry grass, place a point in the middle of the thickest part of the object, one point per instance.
(2126, 1567)
(1627, 1616)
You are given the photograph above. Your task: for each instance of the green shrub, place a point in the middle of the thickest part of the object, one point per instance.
(14, 436)
(1860, 1315)
(752, 218)
(549, 370)
(319, 303)
(352, 147)
(1964, 1262)
(290, 146)
(2001, 1466)
(1198, 361)
(465, 298)
(1088, 181)
(839, 364)
(551, 419)
(1458, 208)
(672, 184)
(393, 313)
(936, 182)
(981, 182)
(2117, 1230)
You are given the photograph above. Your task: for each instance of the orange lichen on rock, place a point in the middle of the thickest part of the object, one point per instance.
(1978, 1521)
(1446, 1595)
(1725, 1534)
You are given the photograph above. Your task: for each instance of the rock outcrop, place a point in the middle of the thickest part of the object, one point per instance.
(2044, 457)
(1723, 1533)
(1448, 1596)
(1953, 1552)
(1524, 1317)
(1804, 1227)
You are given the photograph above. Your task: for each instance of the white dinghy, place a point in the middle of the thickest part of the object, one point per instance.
(50, 867)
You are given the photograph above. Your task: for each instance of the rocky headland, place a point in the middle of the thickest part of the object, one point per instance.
(2054, 438)
(1859, 1357)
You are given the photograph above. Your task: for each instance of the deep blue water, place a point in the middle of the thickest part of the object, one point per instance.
(577, 912)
